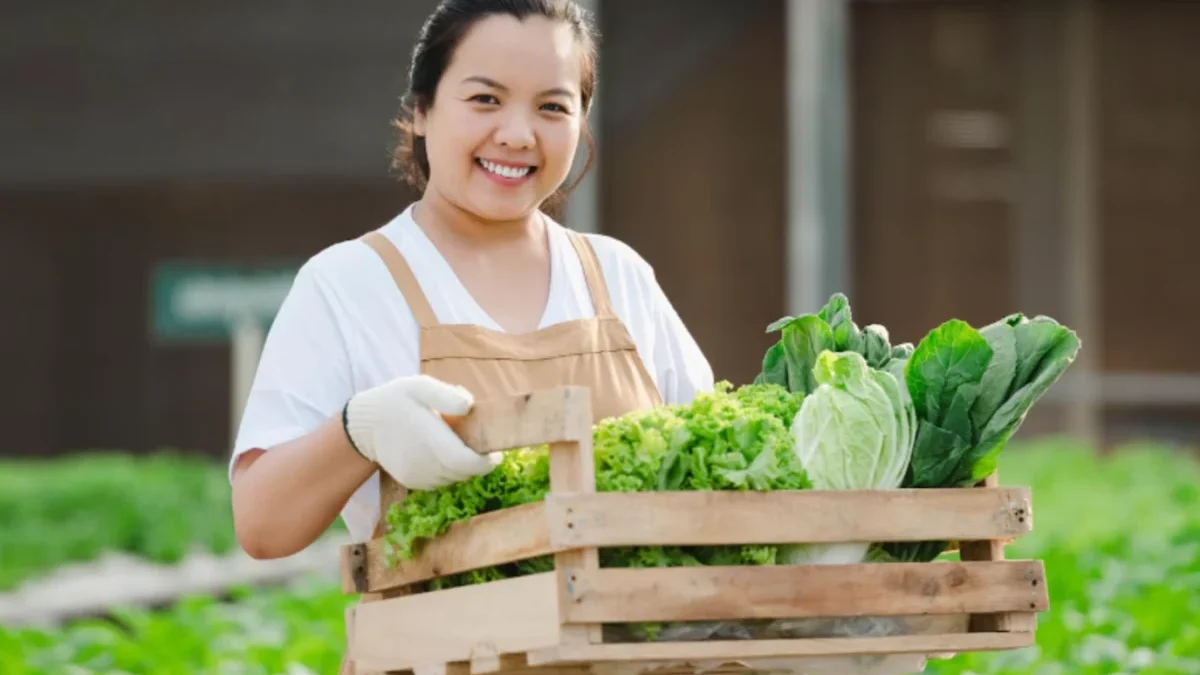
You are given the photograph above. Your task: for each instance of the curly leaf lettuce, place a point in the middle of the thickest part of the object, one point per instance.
(728, 439)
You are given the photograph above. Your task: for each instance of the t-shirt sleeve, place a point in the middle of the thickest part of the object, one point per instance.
(677, 363)
(304, 373)
(683, 370)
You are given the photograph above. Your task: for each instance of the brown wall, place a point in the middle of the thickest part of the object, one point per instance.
(693, 179)
(1149, 184)
(931, 224)
(696, 187)
(84, 372)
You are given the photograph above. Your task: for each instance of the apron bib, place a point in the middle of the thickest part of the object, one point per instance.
(597, 352)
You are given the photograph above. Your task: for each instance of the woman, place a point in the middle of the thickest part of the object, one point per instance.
(471, 292)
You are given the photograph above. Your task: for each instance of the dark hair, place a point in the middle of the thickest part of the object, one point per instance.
(441, 35)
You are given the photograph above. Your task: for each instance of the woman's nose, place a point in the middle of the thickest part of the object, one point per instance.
(515, 130)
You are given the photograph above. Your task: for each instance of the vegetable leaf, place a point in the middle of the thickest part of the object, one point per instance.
(1062, 349)
(803, 341)
(854, 432)
(775, 368)
(727, 439)
(936, 455)
(1000, 372)
(789, 362)
(952, 355)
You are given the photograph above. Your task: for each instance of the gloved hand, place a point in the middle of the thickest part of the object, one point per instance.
(398, 426)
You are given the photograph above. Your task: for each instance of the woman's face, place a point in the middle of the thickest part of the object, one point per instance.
(503, 129)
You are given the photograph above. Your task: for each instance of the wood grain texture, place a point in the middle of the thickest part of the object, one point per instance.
(540, 417)
(799, 591)
(489, 539)
(753, 649)
(726, 517)
(425, 629)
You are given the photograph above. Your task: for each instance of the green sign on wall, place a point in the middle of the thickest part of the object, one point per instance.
(198, 301)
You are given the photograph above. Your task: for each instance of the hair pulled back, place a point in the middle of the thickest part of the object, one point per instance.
(439, 38)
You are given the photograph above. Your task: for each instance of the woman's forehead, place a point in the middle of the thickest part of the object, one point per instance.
(530, 53)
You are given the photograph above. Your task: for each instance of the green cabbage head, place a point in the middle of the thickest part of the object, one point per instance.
(855, 431)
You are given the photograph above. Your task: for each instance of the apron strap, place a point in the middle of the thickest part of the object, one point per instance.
(403, 275)
(592, 273)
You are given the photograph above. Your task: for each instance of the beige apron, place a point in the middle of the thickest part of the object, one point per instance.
(597, 353)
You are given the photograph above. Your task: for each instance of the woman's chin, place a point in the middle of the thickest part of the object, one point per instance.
(503, 209)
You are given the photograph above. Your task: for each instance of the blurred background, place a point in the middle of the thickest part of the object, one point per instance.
(166, 167)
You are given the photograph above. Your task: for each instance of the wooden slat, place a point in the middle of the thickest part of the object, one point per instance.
(481, 663)
(573, 470)
(424, 629)
(751, 649)
(990, 551)
(509, 423)
(486, 540)
(726, 517)
(536, 418)
(873, 664)
(800, 591)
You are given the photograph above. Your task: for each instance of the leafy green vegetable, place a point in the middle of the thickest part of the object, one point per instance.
(972, 390)
(877, 348)
(951, 356)
(1044, 351)
(854, 432)
(729, 439)
(790, 361)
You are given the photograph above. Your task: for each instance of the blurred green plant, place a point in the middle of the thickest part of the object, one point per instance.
(159, 507)
(280, 631)
(1120, 538)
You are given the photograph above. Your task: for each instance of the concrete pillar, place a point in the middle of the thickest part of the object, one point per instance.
(1082, 255)
(817, 201)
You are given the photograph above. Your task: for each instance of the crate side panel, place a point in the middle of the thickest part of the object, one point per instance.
(486, 540)
(710, 518)
(616, 595)
(871, 664)
(501, 617)
(779, 649)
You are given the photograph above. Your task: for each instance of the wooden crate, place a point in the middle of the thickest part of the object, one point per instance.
(552, 621)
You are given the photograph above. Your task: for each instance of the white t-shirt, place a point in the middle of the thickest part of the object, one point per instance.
(345, 327)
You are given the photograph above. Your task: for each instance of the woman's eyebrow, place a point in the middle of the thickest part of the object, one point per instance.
(489, 82)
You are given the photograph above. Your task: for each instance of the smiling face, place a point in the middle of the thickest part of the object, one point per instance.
(502, 132)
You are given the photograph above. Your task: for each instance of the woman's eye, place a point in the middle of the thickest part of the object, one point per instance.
(484, 98)
(555, 107)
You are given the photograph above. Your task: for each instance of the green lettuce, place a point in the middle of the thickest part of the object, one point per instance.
(727, 439)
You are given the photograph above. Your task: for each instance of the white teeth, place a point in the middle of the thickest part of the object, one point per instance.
(506, 171)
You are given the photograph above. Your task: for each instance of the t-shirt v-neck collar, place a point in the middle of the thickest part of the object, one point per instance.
(460, 292)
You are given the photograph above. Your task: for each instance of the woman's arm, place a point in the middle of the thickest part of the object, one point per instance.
(312, 433)
(286, 497)
(292, 468)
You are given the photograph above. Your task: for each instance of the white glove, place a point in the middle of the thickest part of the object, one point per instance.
(397, 425)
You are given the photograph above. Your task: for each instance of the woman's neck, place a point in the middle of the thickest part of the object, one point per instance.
(444, 221)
